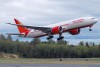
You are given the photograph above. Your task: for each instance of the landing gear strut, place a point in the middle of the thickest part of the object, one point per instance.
(90, 29)
(60, 34)
(50, 36)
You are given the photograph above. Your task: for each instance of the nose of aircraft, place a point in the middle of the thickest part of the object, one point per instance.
(95, 20)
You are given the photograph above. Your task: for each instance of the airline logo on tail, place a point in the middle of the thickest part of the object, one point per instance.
(21, 29)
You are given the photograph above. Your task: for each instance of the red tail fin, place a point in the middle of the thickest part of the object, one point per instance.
(20, 28)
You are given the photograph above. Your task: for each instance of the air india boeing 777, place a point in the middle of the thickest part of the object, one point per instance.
(72, 26)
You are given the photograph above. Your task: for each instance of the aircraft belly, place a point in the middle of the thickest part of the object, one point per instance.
(35, 34)
(76, 25)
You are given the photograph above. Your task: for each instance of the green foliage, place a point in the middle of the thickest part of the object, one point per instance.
(51, 41)
(51, 49)
(35, 41)
(62, 42)
(9, 38)
(2, 37)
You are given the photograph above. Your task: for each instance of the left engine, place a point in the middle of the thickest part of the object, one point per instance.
(74, 31)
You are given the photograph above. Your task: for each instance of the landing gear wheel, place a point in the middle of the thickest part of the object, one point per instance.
(49, 37)
(90, 29)
(60, 38)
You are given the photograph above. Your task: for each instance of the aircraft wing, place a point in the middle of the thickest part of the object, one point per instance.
(43, 29)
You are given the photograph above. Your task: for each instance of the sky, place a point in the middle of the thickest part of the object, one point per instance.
(45, 12)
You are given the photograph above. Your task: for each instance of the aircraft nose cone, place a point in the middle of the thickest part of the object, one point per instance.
(95, 20)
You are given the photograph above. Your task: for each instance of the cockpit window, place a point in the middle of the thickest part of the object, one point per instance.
(93, 18)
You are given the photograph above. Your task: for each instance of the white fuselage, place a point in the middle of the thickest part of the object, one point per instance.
(67, 25)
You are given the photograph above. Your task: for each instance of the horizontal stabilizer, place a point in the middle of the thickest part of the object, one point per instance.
(14, 34)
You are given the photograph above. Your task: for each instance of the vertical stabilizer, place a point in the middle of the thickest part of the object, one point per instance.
(20, 28)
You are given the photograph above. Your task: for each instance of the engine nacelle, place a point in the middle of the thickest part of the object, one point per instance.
(56, 30)
(74, 31)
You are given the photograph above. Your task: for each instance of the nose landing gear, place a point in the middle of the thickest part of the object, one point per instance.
(90, 28)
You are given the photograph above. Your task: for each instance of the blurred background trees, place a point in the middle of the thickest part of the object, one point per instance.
(48, 49)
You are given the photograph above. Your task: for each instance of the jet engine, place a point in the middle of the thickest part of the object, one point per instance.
(74, 31)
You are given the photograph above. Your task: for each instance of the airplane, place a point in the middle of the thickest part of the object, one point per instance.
(73, 27)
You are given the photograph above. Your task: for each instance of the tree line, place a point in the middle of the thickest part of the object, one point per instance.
(48, 49)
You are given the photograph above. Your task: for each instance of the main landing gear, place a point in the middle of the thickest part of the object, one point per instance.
(60, 36)
(49, 37)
